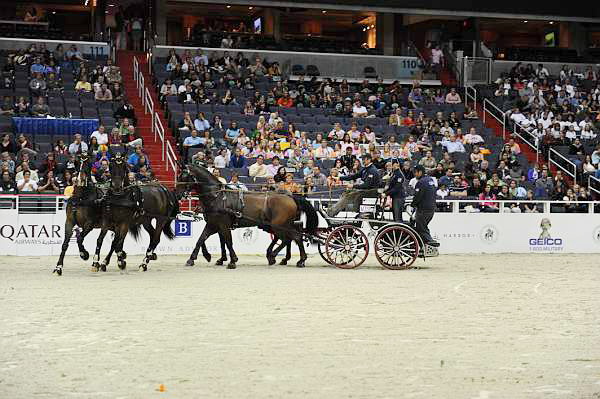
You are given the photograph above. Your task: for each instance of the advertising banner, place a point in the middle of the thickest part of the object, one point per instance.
(43, 234)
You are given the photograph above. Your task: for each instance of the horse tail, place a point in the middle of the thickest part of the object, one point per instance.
(134, 230)
(168, 232)
(312, 219)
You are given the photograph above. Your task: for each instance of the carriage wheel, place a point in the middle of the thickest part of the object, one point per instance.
(347, 247)
(321, 248)
(321, 238)
(396, 247)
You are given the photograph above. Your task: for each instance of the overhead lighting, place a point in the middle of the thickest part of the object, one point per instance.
(250, 8)
(364, 29)
(372, 26)
(53, 12)
(324, 11)
(525, 21)
(551, 22)
(111, 5)
(86, 2)
(228, 6)
(368, 27)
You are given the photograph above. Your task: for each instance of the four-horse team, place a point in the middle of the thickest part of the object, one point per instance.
(123, 208)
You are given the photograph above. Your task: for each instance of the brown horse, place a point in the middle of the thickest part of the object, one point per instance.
(273, 212)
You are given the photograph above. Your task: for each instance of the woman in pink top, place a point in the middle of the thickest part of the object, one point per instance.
(487, 197)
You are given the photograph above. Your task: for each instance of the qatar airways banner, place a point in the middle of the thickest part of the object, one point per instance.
(43, 234)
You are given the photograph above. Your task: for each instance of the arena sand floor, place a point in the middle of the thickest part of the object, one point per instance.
(477, 326)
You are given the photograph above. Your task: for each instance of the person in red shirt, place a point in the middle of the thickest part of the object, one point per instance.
(285, 101)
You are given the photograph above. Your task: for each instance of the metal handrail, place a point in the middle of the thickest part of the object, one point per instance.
(520, 134)
(141, 87)
(171, 160)
(594, 179)
(136, 70)
(560, 166)
(486, 104)
(149, 108)
(472, 97)
(159, 131)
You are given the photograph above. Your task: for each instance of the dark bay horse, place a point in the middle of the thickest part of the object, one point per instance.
(225, 209)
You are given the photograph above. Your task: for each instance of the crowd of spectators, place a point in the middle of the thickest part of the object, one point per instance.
(399, 127)
(24, 166)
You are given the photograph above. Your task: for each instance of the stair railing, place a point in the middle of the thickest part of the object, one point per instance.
(563, 163)
(489, 108)
(159, 132)
(171, 160)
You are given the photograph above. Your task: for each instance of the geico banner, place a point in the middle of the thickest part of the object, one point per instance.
(43, 234)
(518, 233)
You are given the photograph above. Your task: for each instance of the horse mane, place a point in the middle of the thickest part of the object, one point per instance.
(203, 176)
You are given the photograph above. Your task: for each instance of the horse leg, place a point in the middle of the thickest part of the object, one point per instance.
(270, 255)
(207, 232)
(225, 236)
(223, 258)
(288, 253)
(303, 257)
(118, 242)
(106, 260)
(65, 246)
(96, 264)
(154, 240)
(83, 254)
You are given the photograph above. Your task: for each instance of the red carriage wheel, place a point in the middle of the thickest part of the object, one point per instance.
(347, 247)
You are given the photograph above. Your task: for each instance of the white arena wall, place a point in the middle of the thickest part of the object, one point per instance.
(465, 233)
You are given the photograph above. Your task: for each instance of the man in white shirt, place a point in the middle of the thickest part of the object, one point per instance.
(78, 146)
(323, 151)
(472, 137)
(26, 169)
(518, 117)
(453, 97)
(453, 145)
(359, 110)
(541, 72)
(100, 135)
(235, 183)
(258, 169)
(26, 184)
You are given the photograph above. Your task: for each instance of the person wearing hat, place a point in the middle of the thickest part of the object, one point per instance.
(368, 174)
(371, 180)
(424, 202)
(397, 192)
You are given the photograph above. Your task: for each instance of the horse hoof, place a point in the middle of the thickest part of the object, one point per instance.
(143, 268)
(122, 264)
(153, 257)
(283, 262)
(300, 263)
(103, 267)
(207, 257)
(85, 255)
(124, 255)
(57, 271)
(220, 262)
(95, 267)
(190, 262)
(231, 266)
(271, 261)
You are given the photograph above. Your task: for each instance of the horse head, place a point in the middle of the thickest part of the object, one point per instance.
(118, 173)
(202, 181)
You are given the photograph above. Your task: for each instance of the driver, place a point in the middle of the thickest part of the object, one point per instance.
(368, 174)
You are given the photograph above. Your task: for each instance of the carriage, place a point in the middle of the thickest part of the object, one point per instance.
(345, 241)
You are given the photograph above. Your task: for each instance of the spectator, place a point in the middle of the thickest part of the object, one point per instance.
(40, 108)
(49, 184)
(222, 160)
(289, 184)
(134, 158)
(100, 135)
(26, 183)
(487, 198)
(7, 145)
(235, 184)
(318, 178)
(453, 145)
(359, 110)
(103, 94)
(544, 186)
(237, 159)
(22, 107)
(83, 85)
(453, 97)
(258, 169)
(192, 141)
(37, 85)
(7, 185)
(78, 146)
